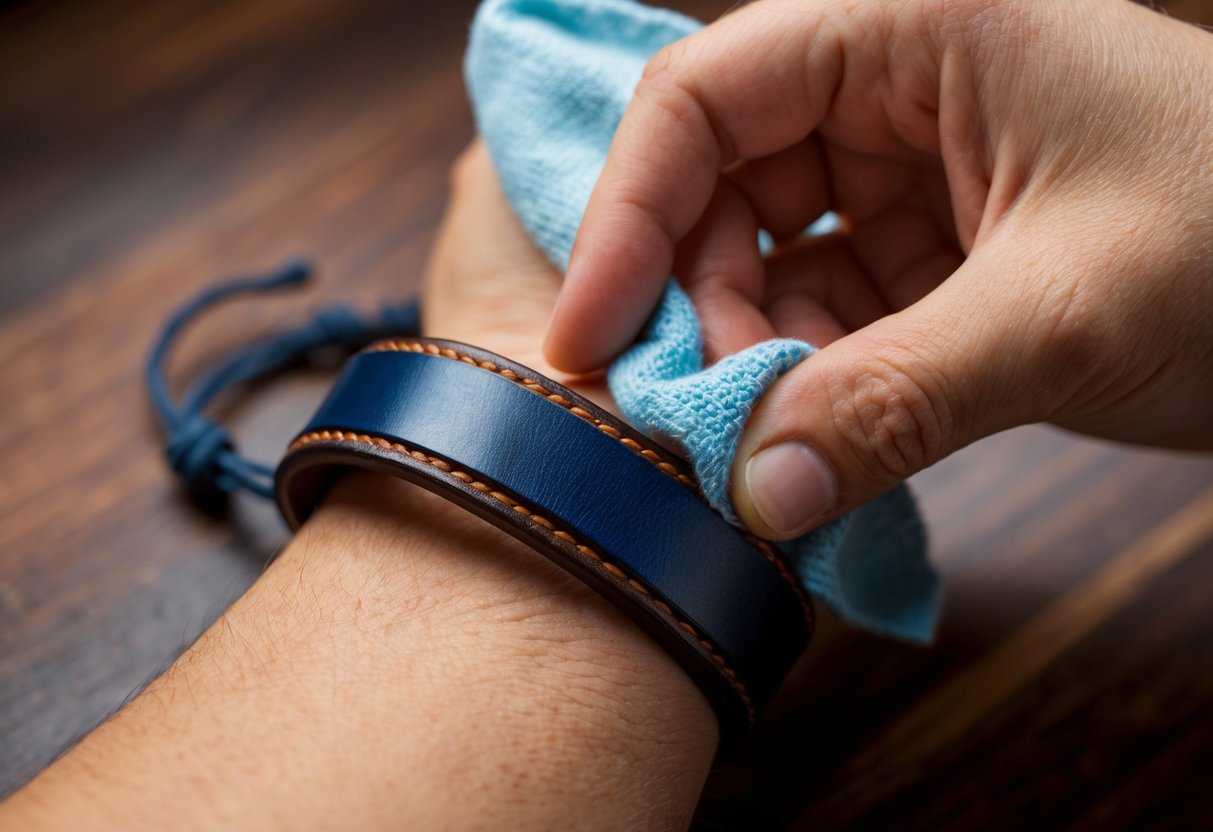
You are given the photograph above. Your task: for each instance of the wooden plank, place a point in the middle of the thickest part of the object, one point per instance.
(147, 149)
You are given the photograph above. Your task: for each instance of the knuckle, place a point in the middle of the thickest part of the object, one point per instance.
(671, 86)
(668, 86)
(663, 69)
(894, 423)
(968, 12)
(990, 25)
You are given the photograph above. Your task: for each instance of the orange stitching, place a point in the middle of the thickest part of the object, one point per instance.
(445, 467)
(555, 398)
(769, 553)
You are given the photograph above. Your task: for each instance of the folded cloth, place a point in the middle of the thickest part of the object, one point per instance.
(549, 81)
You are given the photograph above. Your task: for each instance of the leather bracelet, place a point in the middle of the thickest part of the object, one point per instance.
(598, 498)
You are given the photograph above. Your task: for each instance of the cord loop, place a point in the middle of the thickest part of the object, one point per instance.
(198, 449)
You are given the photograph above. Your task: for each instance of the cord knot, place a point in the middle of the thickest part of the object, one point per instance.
(201, 452)
(194, 450)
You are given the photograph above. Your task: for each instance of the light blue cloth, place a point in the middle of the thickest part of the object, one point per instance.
(549, 81)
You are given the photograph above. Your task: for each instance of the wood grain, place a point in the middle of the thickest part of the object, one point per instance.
(148, 148)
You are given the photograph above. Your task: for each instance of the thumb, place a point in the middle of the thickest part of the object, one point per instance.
(886, 401)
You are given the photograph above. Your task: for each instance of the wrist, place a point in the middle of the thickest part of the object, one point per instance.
(519, 668)
(401, 658)
(406, 565)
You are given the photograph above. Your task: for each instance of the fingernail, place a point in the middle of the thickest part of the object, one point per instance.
(791, 485)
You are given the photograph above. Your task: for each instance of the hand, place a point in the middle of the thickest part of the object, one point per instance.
(1027, 192)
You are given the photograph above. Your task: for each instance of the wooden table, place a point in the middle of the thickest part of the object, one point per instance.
(148, 148)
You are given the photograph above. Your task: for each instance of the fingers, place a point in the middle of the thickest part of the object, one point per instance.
(817, 291)
(882, 403)
(788, 190)
(719, 265)
(746, 87)
(905, 252)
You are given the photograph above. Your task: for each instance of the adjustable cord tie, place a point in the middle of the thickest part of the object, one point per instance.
(199, 450)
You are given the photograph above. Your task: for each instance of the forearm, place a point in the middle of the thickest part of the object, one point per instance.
(400, 662)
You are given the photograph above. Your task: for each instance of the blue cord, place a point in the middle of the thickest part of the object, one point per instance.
(199, 450)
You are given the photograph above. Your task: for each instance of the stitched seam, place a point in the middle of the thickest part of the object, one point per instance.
(773, 557)
(534, 386)
(466, 478)
(769, 553)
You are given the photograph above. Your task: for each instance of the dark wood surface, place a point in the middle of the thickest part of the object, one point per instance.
(147, 148)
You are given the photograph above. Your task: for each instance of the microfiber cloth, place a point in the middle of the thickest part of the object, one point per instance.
(549, 81)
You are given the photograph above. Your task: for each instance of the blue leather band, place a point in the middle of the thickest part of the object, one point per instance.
(537, 450)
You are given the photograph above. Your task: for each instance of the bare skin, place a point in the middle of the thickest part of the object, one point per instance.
(402, 664)
(1020, 226)
(1028, 193)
